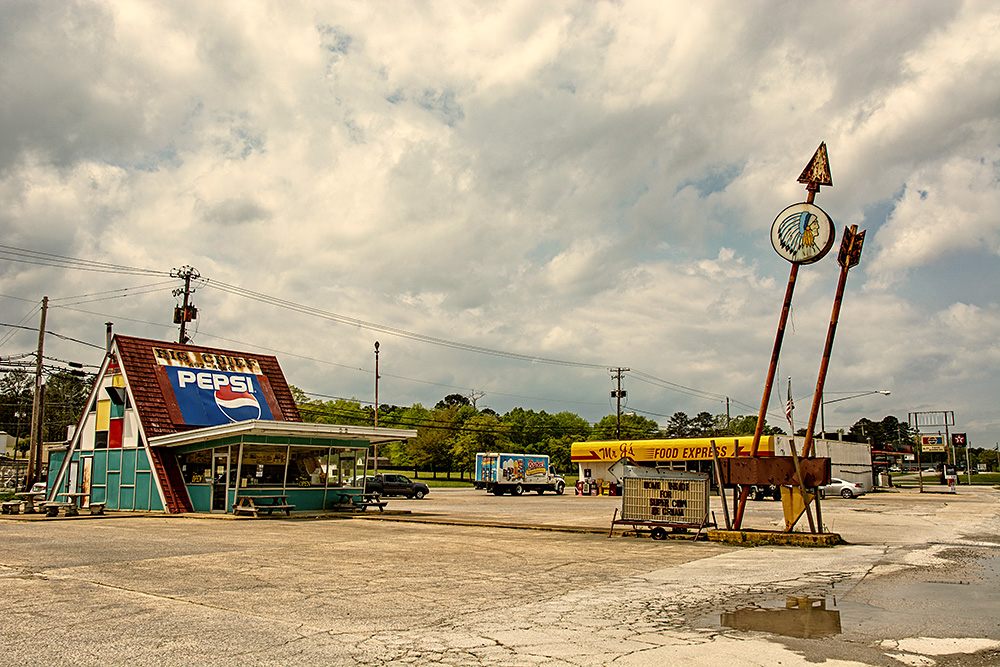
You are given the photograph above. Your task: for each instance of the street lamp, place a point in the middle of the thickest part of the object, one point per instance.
(822, 411)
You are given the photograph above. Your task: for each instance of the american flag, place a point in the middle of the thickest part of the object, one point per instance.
(790, 405)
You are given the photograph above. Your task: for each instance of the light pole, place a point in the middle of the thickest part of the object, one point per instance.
(376, 404)
(822, 411)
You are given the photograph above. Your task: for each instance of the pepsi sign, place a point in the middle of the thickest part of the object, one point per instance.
(212, 398)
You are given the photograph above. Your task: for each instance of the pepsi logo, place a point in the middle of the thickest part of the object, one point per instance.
(237, 405)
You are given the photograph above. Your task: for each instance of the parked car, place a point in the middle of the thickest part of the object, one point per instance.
(763, 492)
(391, 484)
(842, 488)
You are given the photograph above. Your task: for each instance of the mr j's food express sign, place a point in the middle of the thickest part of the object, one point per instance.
(674, 449)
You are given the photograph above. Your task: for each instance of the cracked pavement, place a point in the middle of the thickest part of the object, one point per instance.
(459, 583)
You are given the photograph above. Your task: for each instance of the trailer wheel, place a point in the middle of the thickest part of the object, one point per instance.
(658, 533)
(517, 490)
(560, 488)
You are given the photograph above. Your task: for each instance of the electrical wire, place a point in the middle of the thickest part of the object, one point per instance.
(40, 258)
(66, 262)
(402, 333)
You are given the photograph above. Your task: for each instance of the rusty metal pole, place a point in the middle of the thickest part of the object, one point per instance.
(766, 398)
(850, 255)
(815, 175)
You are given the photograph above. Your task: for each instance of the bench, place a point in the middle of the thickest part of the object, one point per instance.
(371, 500)
(253, 510)
(97, 508)
(11, 507)
(251, 506)
(52, 509)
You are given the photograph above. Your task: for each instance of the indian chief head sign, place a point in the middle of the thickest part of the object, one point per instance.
(802, 233)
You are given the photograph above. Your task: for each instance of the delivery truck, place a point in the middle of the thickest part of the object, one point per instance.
(516, 473)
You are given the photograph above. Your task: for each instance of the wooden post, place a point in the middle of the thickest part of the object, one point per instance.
(722, 488)
(37, 409)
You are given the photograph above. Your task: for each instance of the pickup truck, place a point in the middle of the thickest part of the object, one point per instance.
(391, 484)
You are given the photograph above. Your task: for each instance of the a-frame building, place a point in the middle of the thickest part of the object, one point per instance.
(183, 428)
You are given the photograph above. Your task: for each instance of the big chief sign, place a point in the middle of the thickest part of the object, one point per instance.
(214, 389)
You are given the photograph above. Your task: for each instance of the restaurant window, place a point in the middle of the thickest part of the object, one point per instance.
(196, 467)
(262, 465)
(350, 468)
(307, 466)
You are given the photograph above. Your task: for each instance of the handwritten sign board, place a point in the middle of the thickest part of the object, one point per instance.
(667, 496)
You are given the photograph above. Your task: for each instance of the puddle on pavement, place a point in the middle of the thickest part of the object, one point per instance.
(803, 617)
(818, 616)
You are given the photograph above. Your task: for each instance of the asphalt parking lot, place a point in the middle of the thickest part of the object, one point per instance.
(468, 578)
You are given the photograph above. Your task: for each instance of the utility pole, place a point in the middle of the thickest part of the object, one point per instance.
(37, 407)
(187, 312)
(618, 395)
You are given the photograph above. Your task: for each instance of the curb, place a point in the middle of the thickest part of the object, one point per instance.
(755, 538)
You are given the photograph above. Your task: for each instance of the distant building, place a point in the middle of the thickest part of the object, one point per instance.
(7, 443)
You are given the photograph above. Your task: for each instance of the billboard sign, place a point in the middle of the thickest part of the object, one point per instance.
(932, 443)
(213, 397)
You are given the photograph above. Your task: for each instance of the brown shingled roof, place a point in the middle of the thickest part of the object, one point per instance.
(154, 399)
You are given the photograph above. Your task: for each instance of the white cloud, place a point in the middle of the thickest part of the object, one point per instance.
(577, 180)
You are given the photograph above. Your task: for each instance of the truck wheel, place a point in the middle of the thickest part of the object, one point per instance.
(560, 488)
(756, 492)
(419, 494)
(517, 490)
(497, 490)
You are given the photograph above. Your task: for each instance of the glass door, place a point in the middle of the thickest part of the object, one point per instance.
(220, 477)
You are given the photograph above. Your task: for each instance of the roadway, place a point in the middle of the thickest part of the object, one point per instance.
(471, 579)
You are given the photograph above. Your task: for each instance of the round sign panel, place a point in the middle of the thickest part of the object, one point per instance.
(802, 233)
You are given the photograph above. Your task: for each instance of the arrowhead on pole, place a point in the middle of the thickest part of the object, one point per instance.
(817, 172)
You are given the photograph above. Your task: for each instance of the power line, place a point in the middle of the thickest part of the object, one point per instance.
(50, 259)
(40, 258)
(402, 333)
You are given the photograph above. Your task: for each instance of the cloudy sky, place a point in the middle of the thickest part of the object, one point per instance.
(515, 197)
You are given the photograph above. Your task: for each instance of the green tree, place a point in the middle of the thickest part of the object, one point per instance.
(15, 405)
(65, 400)
(680, 426)
(479, 433)
(704, 425)
(633, 427)
(432, 448)
(335, 411)
(747, 425)
(452, 400)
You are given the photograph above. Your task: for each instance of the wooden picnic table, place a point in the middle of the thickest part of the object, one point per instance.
(252, 503)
